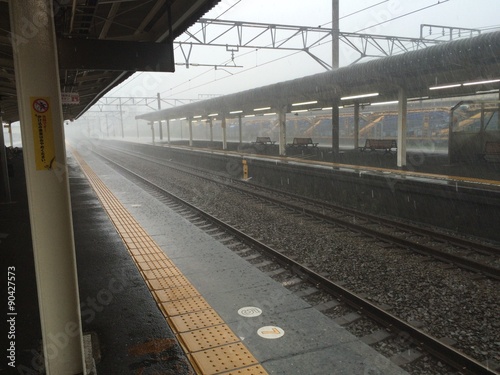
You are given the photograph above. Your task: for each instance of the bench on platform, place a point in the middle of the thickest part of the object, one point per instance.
(379, 144)
(302, 143)
(491, 151)
(263, 141)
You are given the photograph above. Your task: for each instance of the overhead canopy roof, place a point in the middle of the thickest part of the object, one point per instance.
(101, 43)
(463, 61)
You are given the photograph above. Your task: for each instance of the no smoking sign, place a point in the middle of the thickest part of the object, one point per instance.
(40, 105)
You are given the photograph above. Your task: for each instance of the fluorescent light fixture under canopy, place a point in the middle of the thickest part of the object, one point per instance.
(360, 96)
(481, 82)
(445, 86)
(304, 103)
(386, 103)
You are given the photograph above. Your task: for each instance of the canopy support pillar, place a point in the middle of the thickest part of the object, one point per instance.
(335, 128)
(356, 125)
(224, 133)
(402, 114)
(4, 168)
(282, 135)
(190, 122)
(40, 112)
(168, 131)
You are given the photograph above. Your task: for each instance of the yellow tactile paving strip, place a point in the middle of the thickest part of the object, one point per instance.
(209, 343)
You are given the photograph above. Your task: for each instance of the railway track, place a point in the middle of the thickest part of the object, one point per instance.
(464, 253)
(437, 348)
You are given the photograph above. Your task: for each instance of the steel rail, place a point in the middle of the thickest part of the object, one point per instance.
(444, 352)
(474, 245)
(465, 263)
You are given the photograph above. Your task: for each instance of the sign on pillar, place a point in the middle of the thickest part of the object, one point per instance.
(43, 132)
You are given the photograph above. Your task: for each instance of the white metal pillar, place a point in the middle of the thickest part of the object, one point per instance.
(498, 115)
(10, 135)
(282, 135)
(356, 125)
(12, 141)
(121, 117)
(158, 98)
(190, 121)
(160, 130)
(107, 125)
(210, 121)
(240, 128)
(402, 114)
(39, 99)
(335, 128)
(4, 167)
(152, 124)
(168, 131)
(224, 134)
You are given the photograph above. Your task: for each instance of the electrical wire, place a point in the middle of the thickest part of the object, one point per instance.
(240, 72)
(126, 83)
(404, 15)
(492, 27)
(180, 45)
(220, 15)
(227, 10)
(357, 12)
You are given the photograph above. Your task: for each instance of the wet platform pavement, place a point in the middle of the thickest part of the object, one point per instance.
(130, 334)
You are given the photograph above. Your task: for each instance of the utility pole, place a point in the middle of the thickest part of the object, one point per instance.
(335, 65)
(335, 34)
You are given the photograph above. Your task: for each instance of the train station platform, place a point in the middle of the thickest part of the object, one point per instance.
(124, 299)
(129, 334)
(430, 161)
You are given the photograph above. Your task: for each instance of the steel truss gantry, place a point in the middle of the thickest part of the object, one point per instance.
(449, 32)
(152, 102)
(120, 105)
(254, 35)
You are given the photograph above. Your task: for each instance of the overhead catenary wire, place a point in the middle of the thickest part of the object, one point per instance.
(357, 12)
(440, 2)
(240, 72)
(220, 15)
